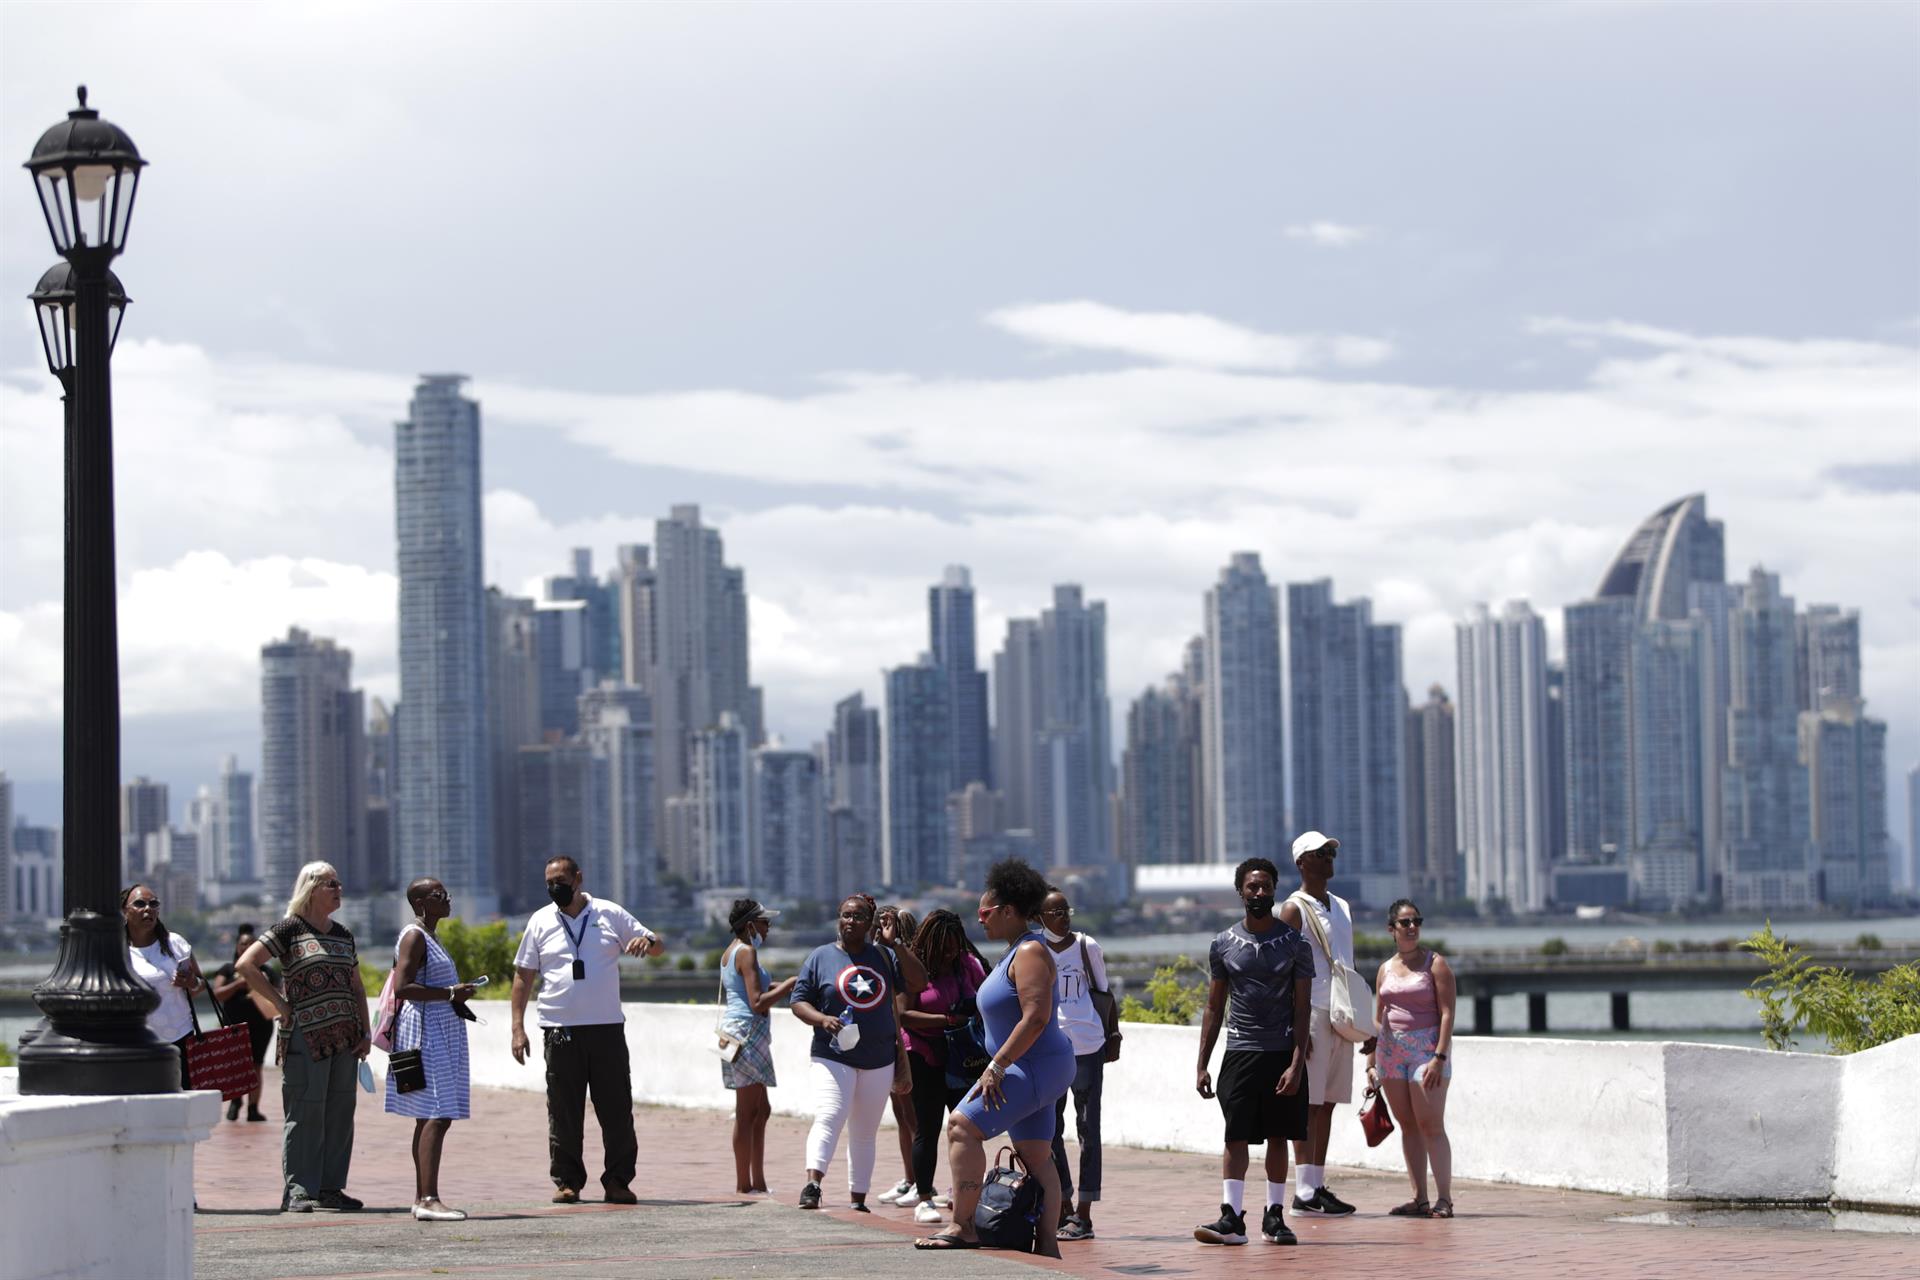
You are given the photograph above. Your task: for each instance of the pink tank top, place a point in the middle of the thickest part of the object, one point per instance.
(1409, 999)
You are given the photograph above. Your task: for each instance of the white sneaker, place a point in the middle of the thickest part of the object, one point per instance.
(941, 1202)
(908, 1201)
(442, 1214)
(892, 1194)
(927, 1213)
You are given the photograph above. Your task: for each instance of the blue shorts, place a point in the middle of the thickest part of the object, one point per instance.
(1031, 1087)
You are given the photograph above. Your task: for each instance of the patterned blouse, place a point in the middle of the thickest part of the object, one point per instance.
(317, 972)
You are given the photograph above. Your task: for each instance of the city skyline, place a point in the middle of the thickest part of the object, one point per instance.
(1438, 346)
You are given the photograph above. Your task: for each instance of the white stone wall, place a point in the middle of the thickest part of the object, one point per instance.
(1876, 1156)
(99, 1188)
(1633, 1117)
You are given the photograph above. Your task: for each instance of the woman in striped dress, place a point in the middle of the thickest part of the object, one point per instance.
(429, 989)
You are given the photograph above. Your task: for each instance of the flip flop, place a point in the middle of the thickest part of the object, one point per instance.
(944, 1241)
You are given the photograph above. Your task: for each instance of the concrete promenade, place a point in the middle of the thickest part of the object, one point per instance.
(688, 1223)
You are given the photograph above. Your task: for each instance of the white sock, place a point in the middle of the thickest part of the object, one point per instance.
(1308, 1176)
(1276, 1194)
(1233, 1193)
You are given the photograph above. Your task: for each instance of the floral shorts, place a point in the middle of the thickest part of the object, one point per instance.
(1402, 1053)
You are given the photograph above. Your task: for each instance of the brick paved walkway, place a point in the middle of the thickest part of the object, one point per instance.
(689, 1223)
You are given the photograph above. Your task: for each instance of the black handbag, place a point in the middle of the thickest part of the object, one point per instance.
(1010, 1201)
(408, 1071)
(1105, 1005)
(967, 1054)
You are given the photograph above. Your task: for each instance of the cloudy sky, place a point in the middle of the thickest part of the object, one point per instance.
(1438, 300)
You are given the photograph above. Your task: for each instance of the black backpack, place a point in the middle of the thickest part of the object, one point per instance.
(1010, 1203)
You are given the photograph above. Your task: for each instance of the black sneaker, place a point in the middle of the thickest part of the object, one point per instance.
(1231, 1229)
(1309, 1205)
(299, 1204)
(857, 1207)
(810, 1196)
(340, 1202)
(1273, 1225)
(1335, 1207)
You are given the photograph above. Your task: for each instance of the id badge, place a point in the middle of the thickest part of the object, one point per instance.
(579, 970)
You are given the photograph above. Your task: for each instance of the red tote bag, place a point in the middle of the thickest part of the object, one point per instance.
(221, 1059)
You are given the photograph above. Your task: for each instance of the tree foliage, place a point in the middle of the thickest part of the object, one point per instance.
(1175, 994)
(1798, 996)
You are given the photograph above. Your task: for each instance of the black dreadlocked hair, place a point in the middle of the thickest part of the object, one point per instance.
(159, 926)
(940, 929)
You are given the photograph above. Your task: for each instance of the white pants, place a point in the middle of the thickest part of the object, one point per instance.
(847, 1097)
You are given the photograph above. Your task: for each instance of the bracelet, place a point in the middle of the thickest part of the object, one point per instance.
(1441, 1056)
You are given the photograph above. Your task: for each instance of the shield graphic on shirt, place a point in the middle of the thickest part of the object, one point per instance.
(862, 988)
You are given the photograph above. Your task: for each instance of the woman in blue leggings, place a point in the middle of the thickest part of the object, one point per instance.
(1032, 1061)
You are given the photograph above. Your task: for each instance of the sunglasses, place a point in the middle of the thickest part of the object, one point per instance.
(330, 884)
(1409, 922)
(144, 902)
(441, 894)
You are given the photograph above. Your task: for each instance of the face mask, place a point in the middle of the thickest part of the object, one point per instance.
(562, 895)
(1260, 905)
(1057, 937)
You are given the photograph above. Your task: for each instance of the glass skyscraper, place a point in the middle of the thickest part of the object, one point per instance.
(446, 783)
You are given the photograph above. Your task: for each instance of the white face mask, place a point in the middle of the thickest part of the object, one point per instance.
(1055, 937)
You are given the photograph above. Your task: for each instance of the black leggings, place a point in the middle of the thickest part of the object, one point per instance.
(932, 1099)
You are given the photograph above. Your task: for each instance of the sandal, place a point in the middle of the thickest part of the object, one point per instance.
(1416, 1209)
(1443, 1208)
(945, 1240)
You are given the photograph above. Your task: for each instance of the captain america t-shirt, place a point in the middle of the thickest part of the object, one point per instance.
(855, 988)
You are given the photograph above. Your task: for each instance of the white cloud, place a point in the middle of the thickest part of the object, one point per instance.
(1329, 235)
(191, 631)
(1183, 338)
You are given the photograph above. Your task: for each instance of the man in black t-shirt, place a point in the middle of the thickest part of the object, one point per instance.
(1262, 984)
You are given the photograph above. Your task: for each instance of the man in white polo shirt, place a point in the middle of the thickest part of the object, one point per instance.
(573, 948)
(1329, 1057)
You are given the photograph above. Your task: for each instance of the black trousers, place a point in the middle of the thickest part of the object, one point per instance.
(932, 1099)
(582, 1061)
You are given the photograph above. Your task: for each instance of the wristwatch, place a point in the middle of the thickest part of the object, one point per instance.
(1439, 1055)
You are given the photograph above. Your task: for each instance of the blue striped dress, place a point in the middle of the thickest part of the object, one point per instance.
(440, 1035)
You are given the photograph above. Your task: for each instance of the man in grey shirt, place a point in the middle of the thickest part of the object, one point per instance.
(1266, 968)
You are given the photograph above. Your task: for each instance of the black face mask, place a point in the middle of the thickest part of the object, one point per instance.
(1259, 905)
(562, 894)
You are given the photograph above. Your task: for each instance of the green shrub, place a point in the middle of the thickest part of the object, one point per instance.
(1868, 942)
(478, 949)
(1554, 947)
(1662, 947)
(711, 960)
(1176, 995)
(687, 964)
(6, 1055)
(1797, 995)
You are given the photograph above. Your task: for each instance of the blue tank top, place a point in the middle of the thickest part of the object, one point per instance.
(1000, 1011)
(738, 1013)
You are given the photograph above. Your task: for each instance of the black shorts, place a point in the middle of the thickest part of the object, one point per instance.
(1254, 1111)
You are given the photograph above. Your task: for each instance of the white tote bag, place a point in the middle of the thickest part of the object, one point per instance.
(1349, 998)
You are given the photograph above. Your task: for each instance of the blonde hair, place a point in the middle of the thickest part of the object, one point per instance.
(305, 883)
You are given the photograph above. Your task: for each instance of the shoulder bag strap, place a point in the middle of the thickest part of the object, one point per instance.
(1086, 965)
(1311, 918)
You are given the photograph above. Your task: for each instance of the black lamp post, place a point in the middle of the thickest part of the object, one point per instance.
(96, 1039)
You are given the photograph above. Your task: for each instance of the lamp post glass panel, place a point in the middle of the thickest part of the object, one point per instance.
(95, 1040)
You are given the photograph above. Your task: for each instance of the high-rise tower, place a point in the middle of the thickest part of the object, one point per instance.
(446, 782)
(1242, 751)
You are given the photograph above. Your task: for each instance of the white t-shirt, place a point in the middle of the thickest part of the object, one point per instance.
(1073, 995)
(1337, 921)
(156, 967)
(596, 937)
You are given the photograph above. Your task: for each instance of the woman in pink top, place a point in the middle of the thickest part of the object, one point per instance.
(954, 974)
(1414, 1010)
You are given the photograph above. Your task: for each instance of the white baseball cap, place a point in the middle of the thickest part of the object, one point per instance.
(1310, 842)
